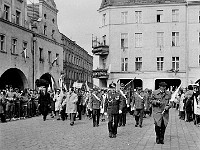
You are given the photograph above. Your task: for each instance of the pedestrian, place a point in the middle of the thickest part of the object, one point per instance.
(122, 116)
(95, 103)
(181, 104)
(113, 107)
(58, 101)
(138, 103)
(160, 103)
(79, 104)
(71, 105)
(44, 102)
(2, 112)
(189, 98)
(103, 97)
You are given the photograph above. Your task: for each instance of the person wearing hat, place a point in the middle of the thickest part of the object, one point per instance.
(113, 107)
(160, 103)
(138, 104)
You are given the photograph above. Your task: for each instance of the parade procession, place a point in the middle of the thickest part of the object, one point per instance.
(99, 75)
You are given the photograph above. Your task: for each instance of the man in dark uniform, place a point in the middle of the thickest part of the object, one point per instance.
(160, 103)
(113, 107)
(122, 116)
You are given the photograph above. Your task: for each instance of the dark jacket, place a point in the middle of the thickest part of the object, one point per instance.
(44, 101)
(158, 109)
(138, 100)
(113, 103)
(94, 102)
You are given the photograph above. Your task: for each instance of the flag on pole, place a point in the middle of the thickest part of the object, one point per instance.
(109, 68)
(24, 53)
(52, 84)
(54, 60)
(174, 95)
(86, 86)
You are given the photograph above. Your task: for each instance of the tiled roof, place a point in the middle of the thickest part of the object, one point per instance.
(106, 3)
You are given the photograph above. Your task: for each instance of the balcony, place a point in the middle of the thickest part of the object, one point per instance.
(100, 73)
(99, 48)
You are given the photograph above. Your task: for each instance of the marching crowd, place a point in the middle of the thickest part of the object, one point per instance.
(99, 104)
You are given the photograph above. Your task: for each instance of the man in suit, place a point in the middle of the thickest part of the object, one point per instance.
(160, 103)
(113, 107)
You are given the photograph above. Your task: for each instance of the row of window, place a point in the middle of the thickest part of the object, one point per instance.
(160, 63)
(139, 39)
(71, 58)
(138, 16)
(14, 45)
(78, 76)
(15, 18)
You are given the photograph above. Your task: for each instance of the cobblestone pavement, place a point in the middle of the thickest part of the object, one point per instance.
(36, 134)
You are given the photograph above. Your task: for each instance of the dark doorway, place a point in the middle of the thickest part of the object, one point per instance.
(50, 79)
(170, 83)
(15, 78)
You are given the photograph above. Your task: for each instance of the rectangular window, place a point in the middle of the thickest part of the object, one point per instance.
(160, 39)
(160, 62)
(199, 37)
(14, 46)
(138, 39)
(41, 54)
(52, 34)
(175, 38)
(2, 43)
(175, 15)
(6, 12)
(24, 47)
(175, 63)
(199, 16)
(57, 59)
(199, 60)
(138, 16)
(49, 57)
(18, 14)
(124, 66)
(159, 15)
(124, 40)
(104, 40)
(104, 20)
(124, 17)
(45, 30)
(138, 63)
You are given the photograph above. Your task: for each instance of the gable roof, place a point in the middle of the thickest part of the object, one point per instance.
(51, 3)
(106, 3)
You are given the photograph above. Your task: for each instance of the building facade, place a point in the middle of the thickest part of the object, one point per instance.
(31, 46)
(148, 41)
(77, 63)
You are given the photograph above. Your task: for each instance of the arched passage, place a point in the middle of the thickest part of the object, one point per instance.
(48, 77)
(15, 78)
(171, 83)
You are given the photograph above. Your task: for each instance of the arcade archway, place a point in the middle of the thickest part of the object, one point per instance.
(48, 77)
(15, 78)
(172, 84)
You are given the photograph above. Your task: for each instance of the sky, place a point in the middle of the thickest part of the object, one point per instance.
(78, 20)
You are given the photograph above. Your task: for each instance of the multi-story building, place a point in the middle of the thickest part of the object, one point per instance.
(148, 41)
(77, 63)
(16, 67)
(48, 54)
(31, 46)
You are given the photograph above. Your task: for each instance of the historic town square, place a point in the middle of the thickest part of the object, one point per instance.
(99, 74)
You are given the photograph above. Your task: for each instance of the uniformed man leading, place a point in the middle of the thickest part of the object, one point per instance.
(113, 107)
(160, 103)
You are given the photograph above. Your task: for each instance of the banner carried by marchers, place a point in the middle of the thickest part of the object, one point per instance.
(196, 107)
